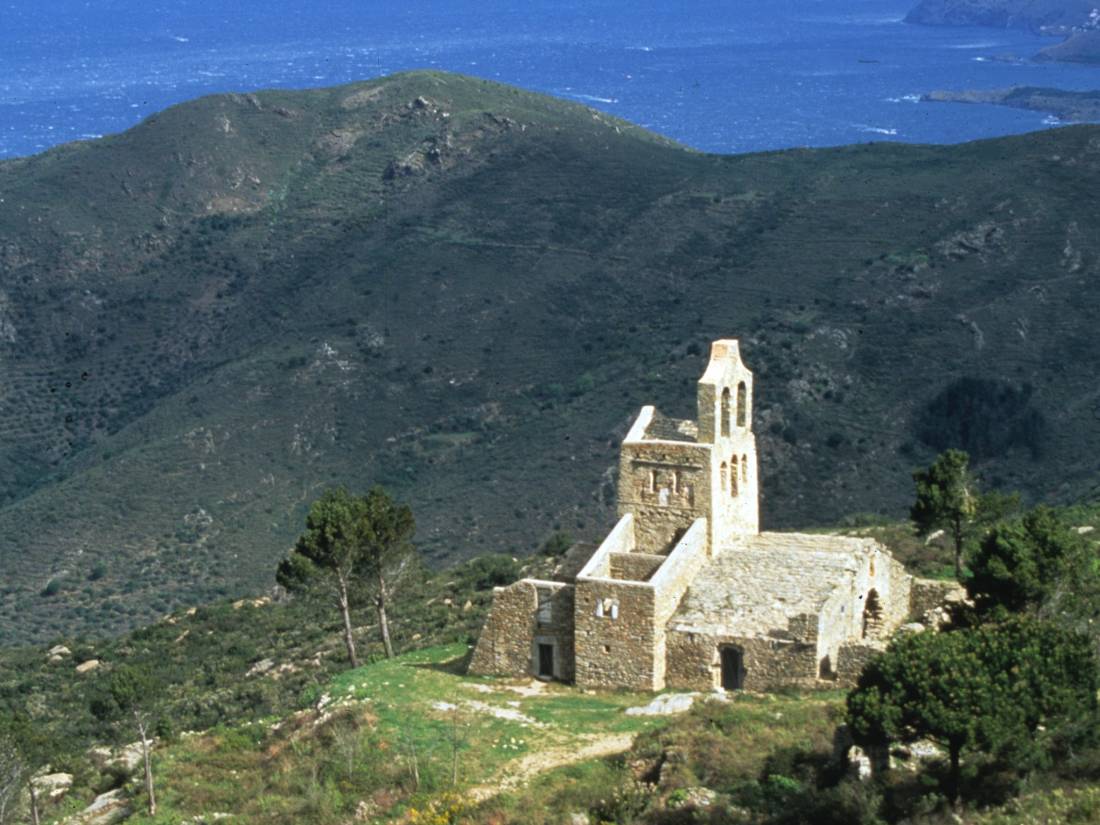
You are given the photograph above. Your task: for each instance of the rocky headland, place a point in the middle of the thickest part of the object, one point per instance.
(1079, 47)
(1068, 106)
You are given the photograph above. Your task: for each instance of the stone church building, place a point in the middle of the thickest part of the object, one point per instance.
(686, 592)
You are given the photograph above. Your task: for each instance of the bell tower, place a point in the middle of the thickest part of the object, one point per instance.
(724, 400)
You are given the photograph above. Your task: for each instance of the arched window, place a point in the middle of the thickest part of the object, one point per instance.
(726, 411)
(745, 468)
(723, 476)
(742, 404)
(733, 477)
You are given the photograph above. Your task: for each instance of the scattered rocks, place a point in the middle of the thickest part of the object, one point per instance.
(666, 704)
(693, 798)
(579, 818)
(262, 666)
(260, 602)
(125, 760)
(859, 764)
(912, 627)
(58, 652)
(107, 809)
(88, 666)
(53, 786)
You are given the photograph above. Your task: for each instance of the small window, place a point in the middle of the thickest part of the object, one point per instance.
(607, 648)
(744, 468)
(726, 411)
(723, 476)
(607, 608)
(733, 477)
(742, 404)
(545, 614)
(662, 497)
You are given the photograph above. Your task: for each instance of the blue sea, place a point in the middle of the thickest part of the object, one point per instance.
(734, 76)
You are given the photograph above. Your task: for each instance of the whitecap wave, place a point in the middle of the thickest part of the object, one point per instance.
(179, 39)
(1051, 120)
(876, 130)
(984, 44)
(904, 99)
(592, 98)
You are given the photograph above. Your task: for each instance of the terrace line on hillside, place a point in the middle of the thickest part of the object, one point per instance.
(685, 592)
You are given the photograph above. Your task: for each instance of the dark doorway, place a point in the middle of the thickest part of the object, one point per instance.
(733, 668)
(546, 661)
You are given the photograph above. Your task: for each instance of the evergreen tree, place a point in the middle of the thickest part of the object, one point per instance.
(989, 689)
(946, 499)
(352, 542)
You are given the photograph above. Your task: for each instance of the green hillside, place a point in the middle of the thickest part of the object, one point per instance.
(465, 291)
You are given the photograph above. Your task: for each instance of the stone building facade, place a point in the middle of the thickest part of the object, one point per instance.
(685, 591)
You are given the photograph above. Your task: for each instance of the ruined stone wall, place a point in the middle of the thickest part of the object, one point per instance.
(694, 661)
(633, 566)
(679, 571)
(897, 606)
(619, 540)
(665, 484)
(616, 637)
(507, 644)
(852, 658)
(928, 594)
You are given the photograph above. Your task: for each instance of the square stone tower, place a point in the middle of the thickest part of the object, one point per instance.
(672, 472)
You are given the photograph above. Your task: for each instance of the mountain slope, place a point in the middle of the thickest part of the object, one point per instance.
(465, 291)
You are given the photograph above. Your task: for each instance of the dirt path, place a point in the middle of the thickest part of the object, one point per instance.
(530, 766)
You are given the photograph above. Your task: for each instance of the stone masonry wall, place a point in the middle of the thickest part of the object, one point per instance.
(897, 607)
(506, 646)
(927, 594)
(665, 485)
(833, 629)
(853, 657)
(694, 661)
(617, 649)
(633, 566)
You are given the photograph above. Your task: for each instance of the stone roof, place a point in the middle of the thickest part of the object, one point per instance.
(753, 588)
(671, 429)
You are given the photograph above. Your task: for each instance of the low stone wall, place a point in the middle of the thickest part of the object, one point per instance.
(853, 657)
(928, 594)
(507, 644)
(619, 540)
(769, 664)
(634, 566)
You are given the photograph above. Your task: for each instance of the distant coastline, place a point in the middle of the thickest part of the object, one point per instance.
(1078, 21)
(1067, 106)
